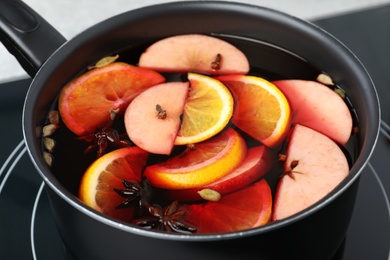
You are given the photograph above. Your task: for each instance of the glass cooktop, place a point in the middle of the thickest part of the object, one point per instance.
(27, 229)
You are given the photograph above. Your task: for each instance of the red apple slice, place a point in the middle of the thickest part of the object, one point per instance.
(258, 161)
(196, 53)
(153, 118)
(246, 208)
(315, 165)
(316, 106)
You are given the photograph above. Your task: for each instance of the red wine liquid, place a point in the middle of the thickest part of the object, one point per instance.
(267, 61)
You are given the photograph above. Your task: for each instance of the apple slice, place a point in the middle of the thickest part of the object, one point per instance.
(258, 161)
(152, 119)
(316, 106)
(314, 166)
(195, 53)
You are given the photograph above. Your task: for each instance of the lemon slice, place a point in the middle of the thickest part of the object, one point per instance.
(208, 110)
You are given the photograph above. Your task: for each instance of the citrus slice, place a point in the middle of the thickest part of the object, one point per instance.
(256, 164)
(106, 174)
(208, 110)
(261, 109)
(201, 164)
(246, 208)
(85, 103)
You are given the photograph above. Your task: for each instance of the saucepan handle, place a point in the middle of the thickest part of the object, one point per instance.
(26, 35)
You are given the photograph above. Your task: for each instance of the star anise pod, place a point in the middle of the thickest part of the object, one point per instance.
(133, 193)
(105, 136)
(170, 219)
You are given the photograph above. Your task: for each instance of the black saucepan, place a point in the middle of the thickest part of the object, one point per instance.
(52, 61)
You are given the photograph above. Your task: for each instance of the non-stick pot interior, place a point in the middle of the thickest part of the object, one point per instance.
(277, 44)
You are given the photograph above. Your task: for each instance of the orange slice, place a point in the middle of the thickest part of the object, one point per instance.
(261, 109)
(106, 174)
(208, 110)
(256, 164)
(200, 165)
(85, 103)
(246, 208)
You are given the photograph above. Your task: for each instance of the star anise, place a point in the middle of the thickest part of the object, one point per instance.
(133, 193)
(104, 136)
(170, 219)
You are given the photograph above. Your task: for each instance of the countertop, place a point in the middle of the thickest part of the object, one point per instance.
(71, 17)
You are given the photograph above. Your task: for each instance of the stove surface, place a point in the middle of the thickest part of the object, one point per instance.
(27, 228)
